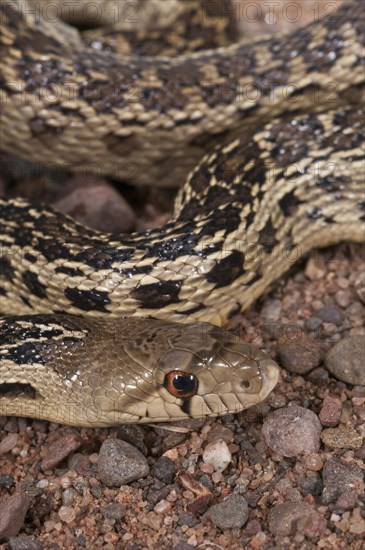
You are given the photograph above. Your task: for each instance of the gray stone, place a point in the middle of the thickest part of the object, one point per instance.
(164, 469)
(346, 360)
(231, 513)
(340, 477)
(114, 510)
(120, 463)
(20, 543)
(298, 352)
(311, 485)
(331, 314)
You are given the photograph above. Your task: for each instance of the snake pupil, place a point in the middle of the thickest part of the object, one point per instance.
(181, 384)
(184, 383)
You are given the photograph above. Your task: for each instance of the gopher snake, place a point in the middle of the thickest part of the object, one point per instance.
(244, 215)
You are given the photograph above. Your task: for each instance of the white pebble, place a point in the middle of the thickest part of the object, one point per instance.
(67, 514)
(42, 483)
(162, 507)
(217, 454)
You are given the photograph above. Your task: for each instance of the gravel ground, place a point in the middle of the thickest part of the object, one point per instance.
(288, 473)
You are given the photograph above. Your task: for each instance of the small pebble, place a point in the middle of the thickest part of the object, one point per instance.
(204, 495)
(219, 431)
(42, 483)
(360, 288)
(311, 485)
(346, 501)
(153, 520)
(162, 507)
(66, 482)
(355, 310)
(217, 477)
(120, 463)
(24, 543)
(8, 443)
(319, 377)
(12, 425)
(114, 510)
(271, 311)
(312, 324)
(298, 352)
(79, 463)
(57, 451)
(206, 468)
(164, 469)
(331, 314)
(343, 298)
(67, 513)
(231, 513)
(346, 360)
(188, 519)
(253, 527)
(289, 518)
(12, 513)
(342, 438)
(217, 454)
(338, 477)
(292, 431)
(357, 525)
(133, 434)
(99, 206)
(331, 410)
(173, 439)
(314, 462)
(68, 496)
(6, 481)
(315, 269)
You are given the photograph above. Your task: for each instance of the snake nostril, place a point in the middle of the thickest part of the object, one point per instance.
(246, 384)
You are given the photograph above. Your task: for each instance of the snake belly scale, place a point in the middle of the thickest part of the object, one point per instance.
(274, 188)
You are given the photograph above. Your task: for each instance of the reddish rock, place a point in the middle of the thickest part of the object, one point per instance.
(12, 513)
(331, 410)
(57, 451)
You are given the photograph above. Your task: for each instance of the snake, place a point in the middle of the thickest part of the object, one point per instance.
(101, 329)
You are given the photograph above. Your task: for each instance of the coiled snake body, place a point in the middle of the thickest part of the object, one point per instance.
(277, 188)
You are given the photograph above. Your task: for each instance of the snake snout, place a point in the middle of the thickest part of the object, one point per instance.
(254, 373)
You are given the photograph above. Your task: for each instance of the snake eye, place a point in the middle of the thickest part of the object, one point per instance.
(181, 384)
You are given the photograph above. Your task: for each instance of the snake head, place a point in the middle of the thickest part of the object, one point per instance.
(206, 371)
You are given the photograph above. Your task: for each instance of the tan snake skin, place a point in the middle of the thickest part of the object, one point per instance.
(251, 208)
(94, 110)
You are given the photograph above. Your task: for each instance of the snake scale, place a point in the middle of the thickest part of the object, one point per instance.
(281, 122)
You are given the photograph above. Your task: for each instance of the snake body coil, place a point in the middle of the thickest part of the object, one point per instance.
(278, 188)
(85, 109)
